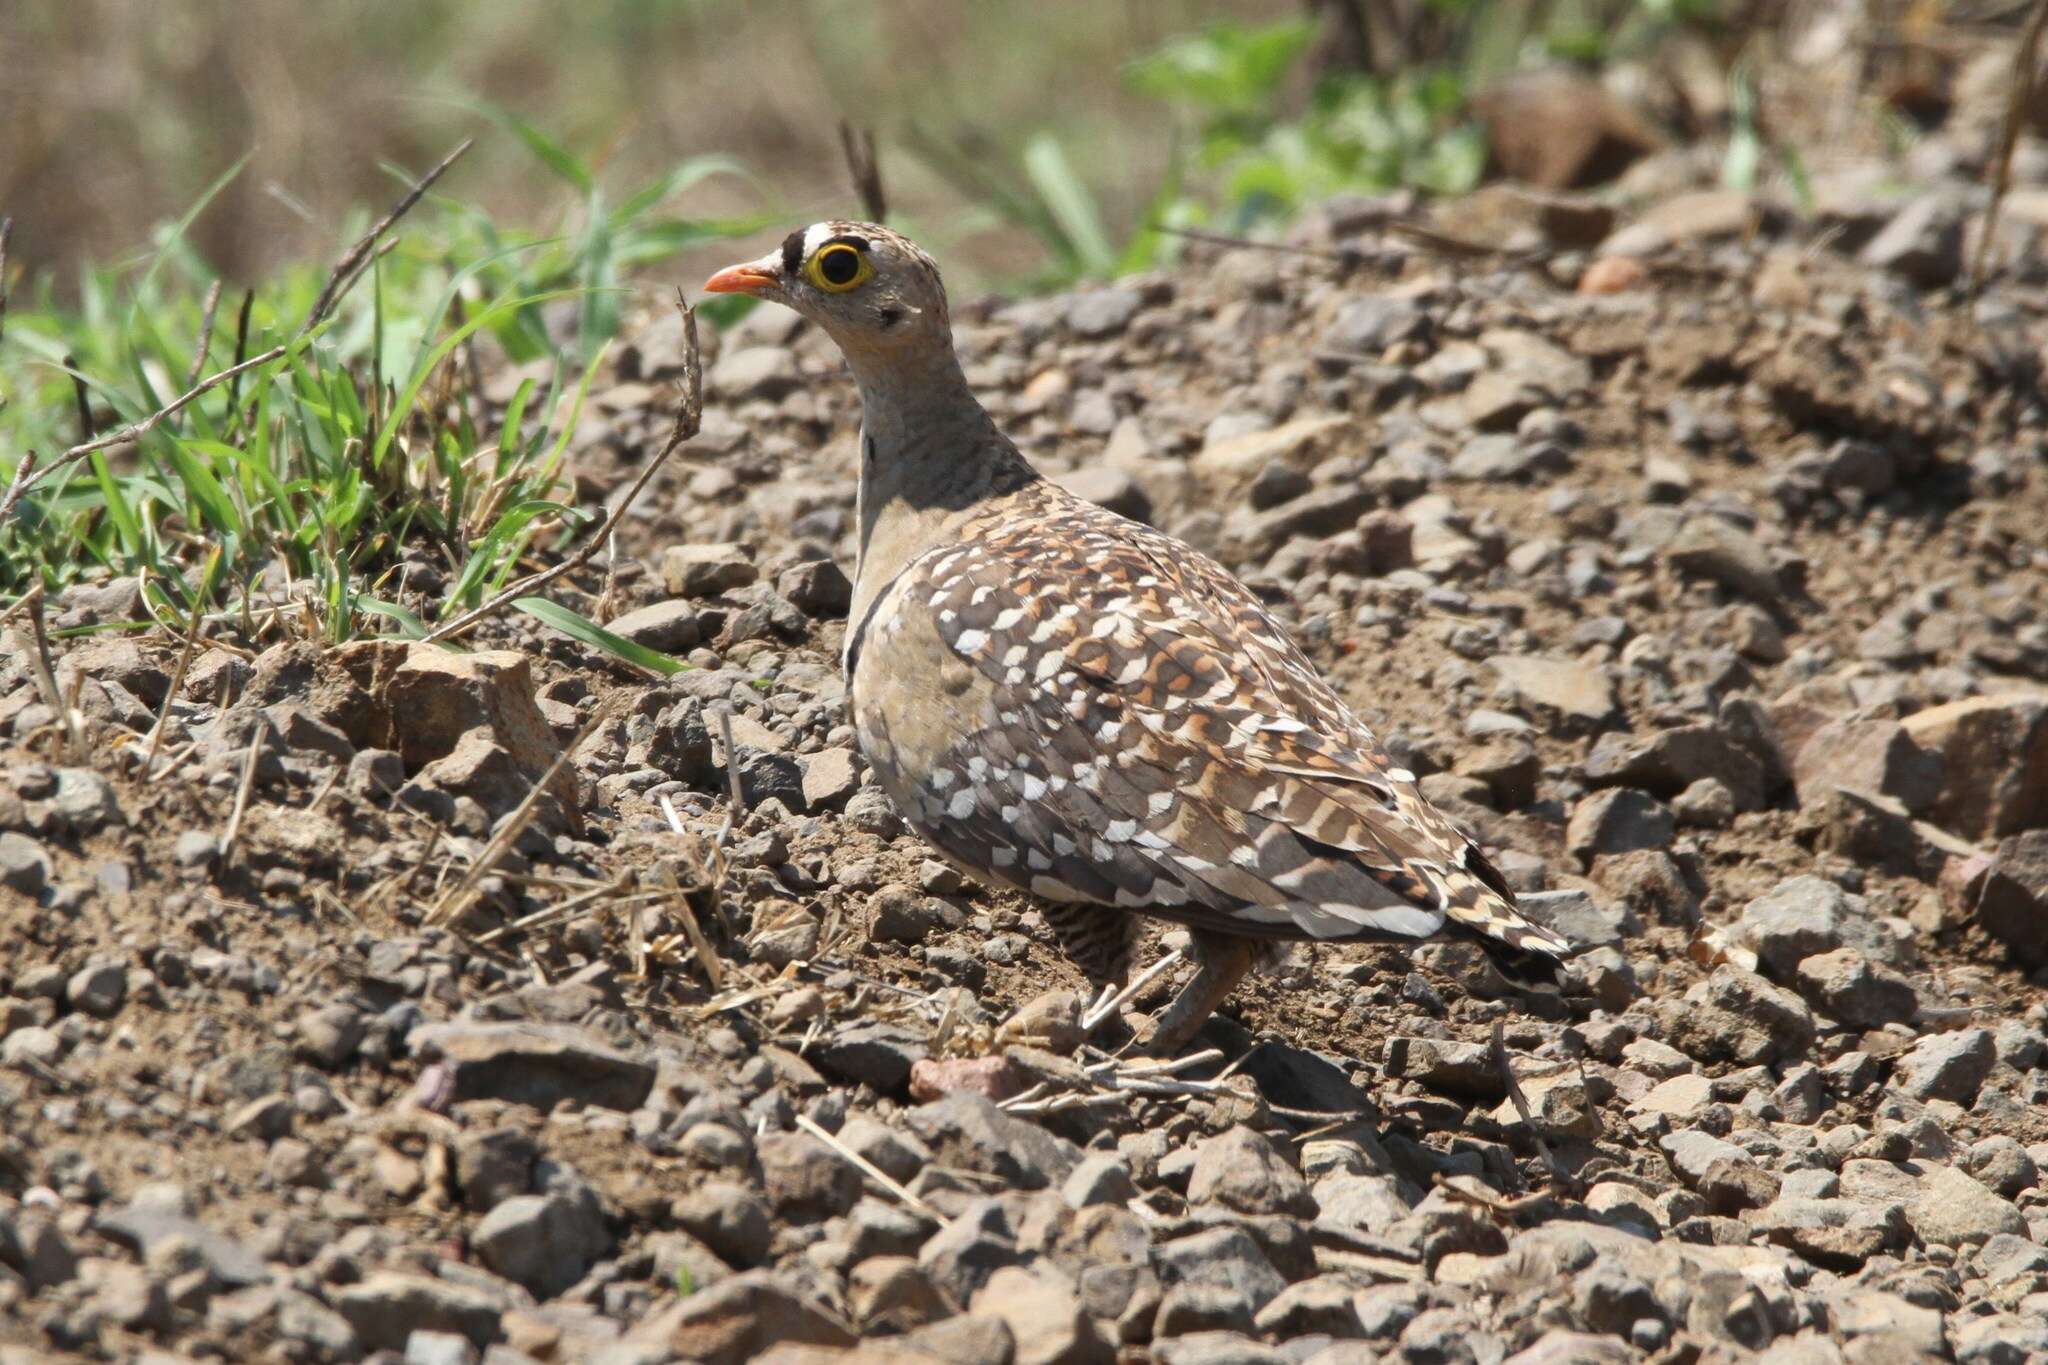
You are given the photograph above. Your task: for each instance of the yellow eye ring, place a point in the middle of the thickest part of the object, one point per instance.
(837, 267)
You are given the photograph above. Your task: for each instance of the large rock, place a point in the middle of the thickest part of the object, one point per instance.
(436, 697)
(1580, 696)
(1044, 1317)
(1737, 1016)
(1240, 1169)
(534, 1064)
(1994, 753)
(740, 1318)
(1876, 756)
(1666, 763)
(1804, 915)
(1228, 468)
(2006, 892)
(388, 1306)
(968, 1130)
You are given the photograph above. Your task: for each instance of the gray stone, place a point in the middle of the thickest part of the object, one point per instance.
(806, 1181)
(1240, 1169)
(24, 867)
(706, 570)
(1669, 762)
(1098, 313)
(1856, 991)
(1367, 326)
(1805, 915)
(729, 1218)
(1875, 756)
(146, 1229)
(671, 627)
(1947, 1066)
(1951, 1209)
(741, 1318)
(84, 801)
(1044, 1316)
(543, 1242)
(388, 1306)
(1579, 695)
(98, 989)
(970, 1131)
(1708, 547)
(1225, 1256)
(765, 372)
(1739, 1017)
(1923, 242)
(1618, 820)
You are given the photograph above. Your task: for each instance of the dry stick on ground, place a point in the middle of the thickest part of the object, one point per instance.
(344, 274)
(688, 417)
(2025, 60)
(242, 793)
(866, 170)
(456, 901)
(714, 970)
(46, 673)
(869, 1169)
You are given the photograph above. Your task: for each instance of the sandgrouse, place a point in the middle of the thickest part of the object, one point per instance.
(1085, 709)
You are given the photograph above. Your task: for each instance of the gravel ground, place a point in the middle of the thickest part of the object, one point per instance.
(1696, 559)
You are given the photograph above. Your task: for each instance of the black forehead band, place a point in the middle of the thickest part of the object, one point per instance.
(793, 248)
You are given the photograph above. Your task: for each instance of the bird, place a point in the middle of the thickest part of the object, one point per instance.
(1082, 708)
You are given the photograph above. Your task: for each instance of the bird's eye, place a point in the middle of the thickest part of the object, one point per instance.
(838, 267)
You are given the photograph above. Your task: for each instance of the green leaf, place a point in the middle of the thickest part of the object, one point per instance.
(545, 149)
(578, 627)
(1069, 201)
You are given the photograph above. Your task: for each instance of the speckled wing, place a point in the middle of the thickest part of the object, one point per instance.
(1156, 743)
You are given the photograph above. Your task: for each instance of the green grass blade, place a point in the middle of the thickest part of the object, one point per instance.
(581, 628)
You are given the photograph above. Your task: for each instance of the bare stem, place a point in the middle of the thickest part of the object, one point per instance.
(688, 417)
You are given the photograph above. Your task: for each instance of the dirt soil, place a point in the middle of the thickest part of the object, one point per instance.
(1716, 604)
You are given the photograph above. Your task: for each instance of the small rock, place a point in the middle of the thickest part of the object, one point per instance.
(706, 570)
(543, 1242)
(387, 1307)
(1855, 991)
(671, 627)
(764, 372)
(1876, 756)
(98, 990)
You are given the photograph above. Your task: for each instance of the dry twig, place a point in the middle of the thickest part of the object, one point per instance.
(205, 335)
(688, 418)
(451, 906)
(248, 785)
(2020, 93)
(865, 170)
(869, 1169)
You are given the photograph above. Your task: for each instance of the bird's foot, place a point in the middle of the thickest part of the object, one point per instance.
(1220, 963)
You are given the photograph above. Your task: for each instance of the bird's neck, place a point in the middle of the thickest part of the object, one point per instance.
(929, 456)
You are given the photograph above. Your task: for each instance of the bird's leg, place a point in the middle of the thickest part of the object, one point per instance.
(1221, 961)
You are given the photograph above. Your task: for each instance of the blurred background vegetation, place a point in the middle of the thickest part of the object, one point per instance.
(181, 176)
(1022, 138)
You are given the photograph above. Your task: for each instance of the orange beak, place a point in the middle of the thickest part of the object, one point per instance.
(741, 279)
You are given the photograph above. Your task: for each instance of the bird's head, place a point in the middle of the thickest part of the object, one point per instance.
(869, 288)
